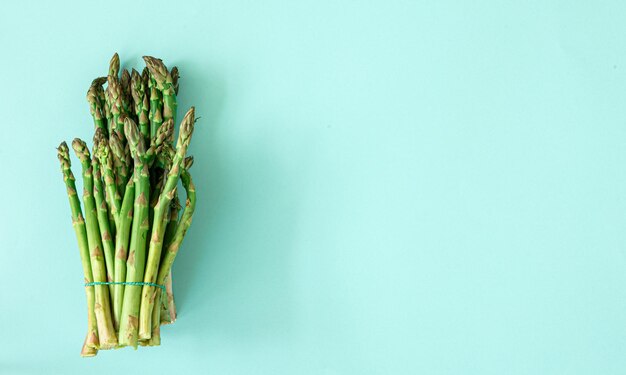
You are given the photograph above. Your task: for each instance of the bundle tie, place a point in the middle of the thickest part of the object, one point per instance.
(135, 283)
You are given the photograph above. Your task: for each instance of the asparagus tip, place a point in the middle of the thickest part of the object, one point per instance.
(157, 69)
(188, 162)
(114, 65)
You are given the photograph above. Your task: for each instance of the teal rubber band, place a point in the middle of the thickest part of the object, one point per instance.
(135, 283)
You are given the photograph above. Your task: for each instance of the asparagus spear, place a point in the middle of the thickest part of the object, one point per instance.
(104, 154)
(155, 115)
(175, 78)
(145, 78)
(96, 106)
(142, 104)
(103, 215)
(102, 307)
(114, 67)
(78, 222)
(121, 251)
(172, 248)
(168, 309)
(126, 95)
(165, 84)
(102, 98)
(156, 242)
(181, 228)
(119, 161)
(138, 239)
(163, 150)
(128, 159)
(114, 94)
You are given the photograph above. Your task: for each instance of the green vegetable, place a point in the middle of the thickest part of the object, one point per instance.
(132, 227)
(108, 337)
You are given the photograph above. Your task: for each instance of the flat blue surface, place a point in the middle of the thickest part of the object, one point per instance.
(385, 187)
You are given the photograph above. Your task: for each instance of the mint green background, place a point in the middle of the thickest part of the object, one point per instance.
(385, 187)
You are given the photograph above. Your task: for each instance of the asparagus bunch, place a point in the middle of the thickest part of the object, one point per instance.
(133, 223)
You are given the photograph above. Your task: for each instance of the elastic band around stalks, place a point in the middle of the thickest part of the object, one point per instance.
(135, 283)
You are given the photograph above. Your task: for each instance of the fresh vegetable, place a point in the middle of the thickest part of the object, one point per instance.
(130, 226)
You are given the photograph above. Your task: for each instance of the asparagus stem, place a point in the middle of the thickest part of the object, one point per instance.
(88, 351)
(149, 293)
(120, 162)
(102, 100)
(114, 93)
(165, 269)
(78, 223)
(165, 84)
(96, 105)
(138, 239)
(108, 338)
(121, 250)
(109, 212)
(105, 157)
(157, 149)
(155, 115)
(168, 310)
(175, 78)
(126, 95)
(155, 335)
(183, 224)
(103, 218)
(142, 104)
(114, 67)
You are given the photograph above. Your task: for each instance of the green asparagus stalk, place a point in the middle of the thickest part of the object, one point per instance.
(155, 192)
(114, 65)
(114, 68)
(142, 104)
(108, 338)
(149, 293)
(165, 84)
(78, 222)
(121, 251)
(145, 78)
(114, 94)
(126, 95)
(157, 143)
(105, 157)
(181, 230)
(155, 334)
(103, 215)
(128, 159)
(168, 311)
(101, 95)
(159, 150)
(138, 239)
(172, 249)
(175, 78)
(120, 162)
(96, 106)
(155, 115)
